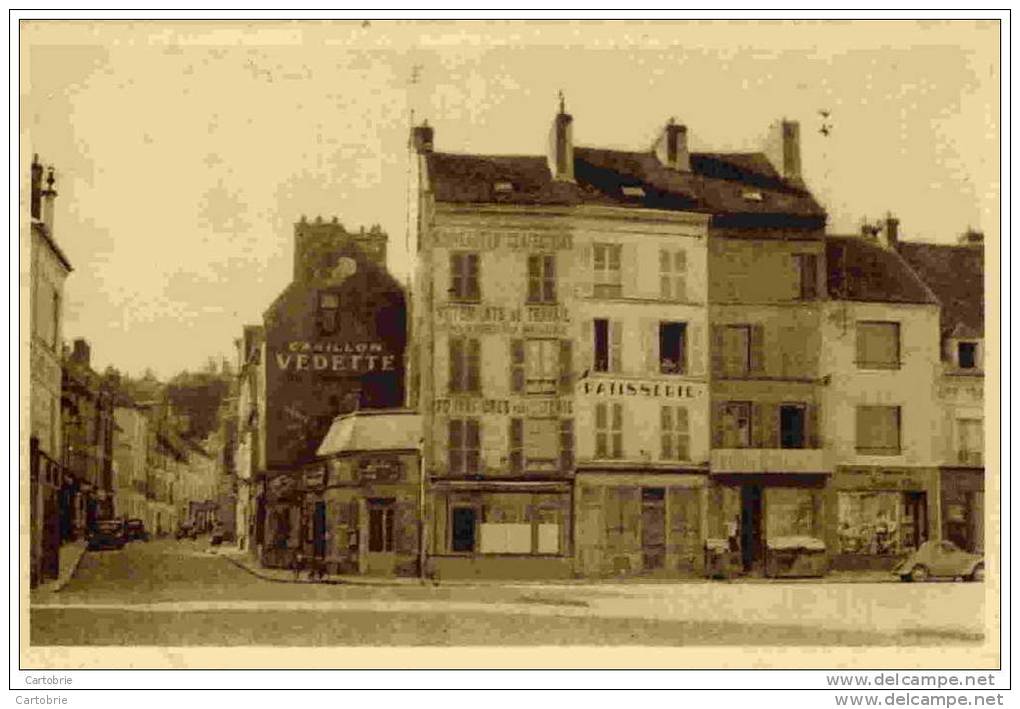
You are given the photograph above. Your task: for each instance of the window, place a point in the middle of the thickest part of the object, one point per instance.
(878, 345)
(879, 522)
(463, 529)
(329, 310)
(541, 366)
(736, 424)
(673, 274)
(878, 430)
(607, 271)
(520, 524)
(791, 425)
(464, 277)
(380, 526)
(808, 266)
(672, 347)
(542, 278)
(790, 512)
(966, 355)
(676, 440)
(970, 447)
(609, 430)
(465, 356)
(736, 350)
(608, 340)
(464, 446)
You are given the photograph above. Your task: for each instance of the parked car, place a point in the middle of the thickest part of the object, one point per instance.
(106, 534)
(218, 534)
(941, 560)
(134, 529)
(186, 531)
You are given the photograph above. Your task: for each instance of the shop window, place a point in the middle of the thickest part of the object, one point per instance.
(676, 438)
(607, 271)
(464, 446)
(878, 430)
(807, 265)
(790, 512)
(380, 526)
(970, 446)
(607, 345)
(880, 522)
(736, 350)
(672, 347)
(736, 424)
(329, 313)
(966, 355)
(463, 529)
(791, 425)
(464, 277)
(542, 278)
(672, 274)
(609, 430)
(878, 345)
(465, 359)
(520, 524)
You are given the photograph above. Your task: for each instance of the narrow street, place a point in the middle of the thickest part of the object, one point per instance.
(170, 593)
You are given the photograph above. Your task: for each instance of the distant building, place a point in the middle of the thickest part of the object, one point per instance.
(130, 458)
(48, 271)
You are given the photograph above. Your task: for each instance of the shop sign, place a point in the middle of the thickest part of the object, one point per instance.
(530, 408)
(496, 319)
(356, 357)
(884, 480)
(380, 469)
(491, 240)
(651, 389)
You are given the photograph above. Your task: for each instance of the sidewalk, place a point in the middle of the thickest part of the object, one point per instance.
(243, 560)
(71, 554)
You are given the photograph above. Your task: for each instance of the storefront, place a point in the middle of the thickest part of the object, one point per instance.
(362, 504)
(282, 539)
(640, 522)
(963, 507)
(879, 515)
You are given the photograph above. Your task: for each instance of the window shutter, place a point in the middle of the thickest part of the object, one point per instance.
(456, 365)
(617, 431)
(665, 275)
(566, 366)
(718, 407)
(812, 439)
(771, 418)
(758, 425)
(474, 355)
(717, 349)
(756, 365)
(516, 445)
(472, 277)
(456, 277)
(666, 431)
(650, 345)
(534, 278)
(585, 283)
(472, 445)
(517, 366)
(455, 445)
(549, 279)
(587, 353)
(566, 445)
(695, 365)
(616, 346)
(629, 283)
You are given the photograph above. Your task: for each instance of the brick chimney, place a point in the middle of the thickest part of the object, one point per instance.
(81, 352)
(561, 146)
(783, 149)
(671, 147)
(422, 138)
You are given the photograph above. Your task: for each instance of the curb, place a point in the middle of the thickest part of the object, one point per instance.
(323, 582)
(60, 583)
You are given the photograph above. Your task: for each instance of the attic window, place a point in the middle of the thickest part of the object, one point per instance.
(633, 191)
(751, 196)
(503, 187)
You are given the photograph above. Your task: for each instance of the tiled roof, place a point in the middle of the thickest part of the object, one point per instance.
(737, 183)
(862, 270)
(956, 273)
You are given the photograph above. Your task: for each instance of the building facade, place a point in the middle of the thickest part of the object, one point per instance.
(129, 457)
(49, 270)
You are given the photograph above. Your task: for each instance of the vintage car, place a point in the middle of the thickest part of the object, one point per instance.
(218, 535)
(941, 560)
(186, 531)
(134, 529)
(106, 534)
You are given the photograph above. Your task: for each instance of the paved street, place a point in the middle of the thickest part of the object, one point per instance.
(178, 593)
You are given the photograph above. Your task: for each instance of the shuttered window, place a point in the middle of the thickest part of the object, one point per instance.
(739, 350)
(541, 366)
(735, 424)
(878, 345)
(609, 430)
(516, 441)
(608, 345)
(672, 347)
(465, 362)
(675, 429)
(878, 430)
(542, 278)
(672, 274)
(566, 445)
(464, 446)
(607, 272)
(807, 265)
(464, 277)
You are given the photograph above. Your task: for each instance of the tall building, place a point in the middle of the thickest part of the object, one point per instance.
(49, 269)
(129, 457)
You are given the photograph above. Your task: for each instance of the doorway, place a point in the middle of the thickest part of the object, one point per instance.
(381, 558)
(319, 530)
(653, 528)
(914, 524)
(751, 546)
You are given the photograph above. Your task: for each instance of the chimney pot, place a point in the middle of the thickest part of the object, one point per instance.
(783, 149)
(561, 146)
(422, 138)
(672, 149)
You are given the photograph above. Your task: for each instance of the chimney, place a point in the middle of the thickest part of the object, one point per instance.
(422, 138)
(48, 196)
(561, 146)
(783, 149)
(671, 147)
(892, 232)
(972, 237)
(81, 352)
(37, 177)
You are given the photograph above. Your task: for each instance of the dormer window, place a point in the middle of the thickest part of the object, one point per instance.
(503, 187)
(633, 191)
(966, 355)
(753, 196)
(329, 309)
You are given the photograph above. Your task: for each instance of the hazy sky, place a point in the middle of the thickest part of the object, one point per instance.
(186, 151)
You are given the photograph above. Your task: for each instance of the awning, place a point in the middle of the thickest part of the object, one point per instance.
(392, 430)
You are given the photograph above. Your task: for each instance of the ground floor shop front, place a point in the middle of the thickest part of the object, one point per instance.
(963, 507)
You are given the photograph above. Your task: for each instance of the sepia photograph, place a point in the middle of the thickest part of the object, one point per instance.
(407, 342)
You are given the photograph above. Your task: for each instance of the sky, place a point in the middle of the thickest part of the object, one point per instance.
(186, 151)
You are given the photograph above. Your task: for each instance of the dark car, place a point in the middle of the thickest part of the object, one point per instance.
(218, 535)
(107, 534)
(134, 529)
(941, 560)
(186, 531)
